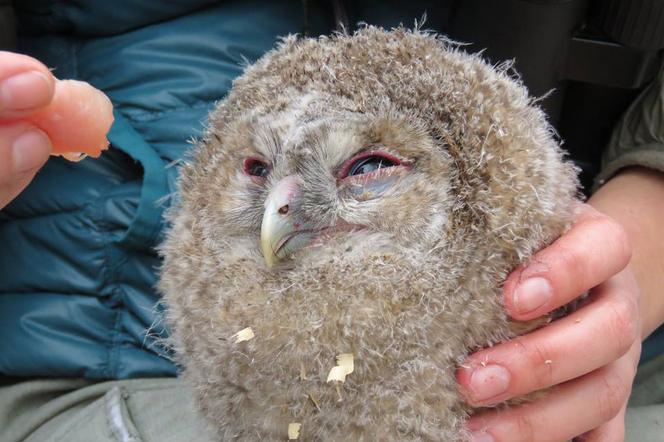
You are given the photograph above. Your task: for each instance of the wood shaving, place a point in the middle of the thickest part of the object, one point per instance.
(337, 374)
(345, 366)
(245, 334)
(294, 430)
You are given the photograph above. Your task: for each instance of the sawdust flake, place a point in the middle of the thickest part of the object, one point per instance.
(294, 430)
(245, 334)
(345, 366)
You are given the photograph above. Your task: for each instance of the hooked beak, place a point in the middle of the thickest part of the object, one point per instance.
(281, 232)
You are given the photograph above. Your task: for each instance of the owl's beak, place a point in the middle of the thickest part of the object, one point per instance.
(281, 233)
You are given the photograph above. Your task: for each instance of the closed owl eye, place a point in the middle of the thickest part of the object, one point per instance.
(255, 168)
(367, 163)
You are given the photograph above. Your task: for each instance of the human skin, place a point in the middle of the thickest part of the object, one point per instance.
(25, 86)
(591, 353)
(616, 250)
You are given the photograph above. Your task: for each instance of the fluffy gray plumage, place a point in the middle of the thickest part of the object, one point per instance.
(405, 265)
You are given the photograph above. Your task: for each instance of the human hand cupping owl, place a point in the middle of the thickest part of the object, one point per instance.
(591, 354)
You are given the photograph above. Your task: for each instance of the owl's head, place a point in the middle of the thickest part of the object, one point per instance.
(288, 181)
(397, 134)
(362, 194)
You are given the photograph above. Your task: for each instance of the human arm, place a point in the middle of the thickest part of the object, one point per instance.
(635, 198)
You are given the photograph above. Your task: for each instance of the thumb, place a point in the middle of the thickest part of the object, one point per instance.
(23, 150)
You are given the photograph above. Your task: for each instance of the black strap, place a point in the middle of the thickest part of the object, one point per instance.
(7, 26)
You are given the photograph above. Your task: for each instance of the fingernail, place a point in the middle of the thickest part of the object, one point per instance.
(489, 381)
(480, 436)
(30, 150)
(531, 294)
(25, 91)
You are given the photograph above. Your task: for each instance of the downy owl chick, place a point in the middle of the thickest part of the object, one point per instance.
(364, 195)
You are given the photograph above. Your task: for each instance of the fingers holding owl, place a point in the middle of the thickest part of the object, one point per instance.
(589, 356)
(592, 405)
(593, 250)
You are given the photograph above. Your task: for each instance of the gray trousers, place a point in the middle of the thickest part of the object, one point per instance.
(74, 410)
(645, 411)
(146, 410)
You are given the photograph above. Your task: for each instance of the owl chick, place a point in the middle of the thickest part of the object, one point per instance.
(361, 195)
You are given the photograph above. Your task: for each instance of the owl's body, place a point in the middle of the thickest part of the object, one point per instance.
(412, 178)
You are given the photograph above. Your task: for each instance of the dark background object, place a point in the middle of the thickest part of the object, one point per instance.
(7, 26)
(615, 53)
(535, 34)
(562, 47)
(633, 23)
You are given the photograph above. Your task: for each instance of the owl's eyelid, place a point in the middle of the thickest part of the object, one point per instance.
(367, 178)
(257, 157)
(348, 164)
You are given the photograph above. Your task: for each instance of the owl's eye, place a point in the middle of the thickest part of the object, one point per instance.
(367, 163)
(256, 168)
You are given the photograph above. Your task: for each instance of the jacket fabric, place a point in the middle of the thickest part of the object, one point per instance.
(638, 139)
(78, 266)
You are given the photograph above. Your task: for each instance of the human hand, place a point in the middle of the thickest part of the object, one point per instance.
(590, 356)
(40, 115)
(25, 85)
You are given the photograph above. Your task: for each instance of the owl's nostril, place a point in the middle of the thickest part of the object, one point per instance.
(283, 210)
